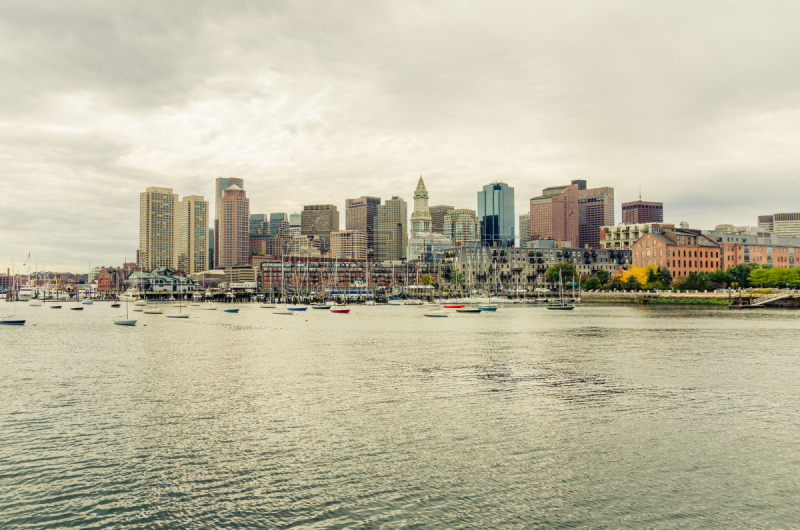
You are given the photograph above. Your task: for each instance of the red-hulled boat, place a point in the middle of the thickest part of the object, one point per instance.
(340, 311)
(453, 306)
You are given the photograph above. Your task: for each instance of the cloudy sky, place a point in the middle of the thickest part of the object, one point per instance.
(315, 102)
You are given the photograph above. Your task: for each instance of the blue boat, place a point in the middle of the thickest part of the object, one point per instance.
(87, 302)
(296, 308)
(231, 310)
(12, 322)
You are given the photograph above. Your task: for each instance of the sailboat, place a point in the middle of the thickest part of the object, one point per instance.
(77, 300)
(10, 320)
(561, 303)
(180, 305)
(125, 321)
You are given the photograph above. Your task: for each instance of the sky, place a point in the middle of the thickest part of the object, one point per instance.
(694, 103)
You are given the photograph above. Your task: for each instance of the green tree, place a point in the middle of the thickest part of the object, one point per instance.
(759, 277)
(567, 272)
(592, 284)
(720, 277)
(426, 279)
(458, 278)
(632, 284)
(652, 276)
(603, 276)
(665, 276)
(740, 274)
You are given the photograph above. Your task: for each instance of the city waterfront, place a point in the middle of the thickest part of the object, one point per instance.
(620, 416)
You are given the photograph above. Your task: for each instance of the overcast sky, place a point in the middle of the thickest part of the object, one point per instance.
(316, 102)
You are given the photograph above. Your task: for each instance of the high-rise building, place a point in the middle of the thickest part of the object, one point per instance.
(782, 224)
(462, 226)
(220, 185)
(158, 223)
(496, 215)
(640, 211)
(320, 220)
(595, 209)
(360, 215)
(437, 217)
(524, 229)
(210, 249)
(233, 239)
(554, 215)
(277, 221)
(421, 218)
(391, 230)
(192, 234)
(295, 225)
(349, 244)
(259, 224)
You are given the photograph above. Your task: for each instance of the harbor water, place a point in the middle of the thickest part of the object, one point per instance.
(605, 416)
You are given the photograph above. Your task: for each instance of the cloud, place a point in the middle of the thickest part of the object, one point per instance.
(316, 102)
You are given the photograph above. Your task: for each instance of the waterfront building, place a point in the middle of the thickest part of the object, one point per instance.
(320, 220)
(622, 236)
(639, 212)
(220, 185)
(524, 268)
(158, 218)
(496, 215)
(162, 279)
(680, 251)
(351, 244)
(360, 214)
(259, 224)
(555, 215)
(427, 246)
(233, 227)
(755, 246)
(781, 224)
(420, 218)
(524, 229)
(437, 217)
(391, 230)
(595, 209)
(192, 234)
(462, 226)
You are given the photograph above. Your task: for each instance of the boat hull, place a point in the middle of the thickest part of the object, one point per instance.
(468, 310)
(231, 310)
(125, 322)
(184, 315)
(453, 306)
(563, 308)
(343, 311)
(55, 307)
(12, 322)
(296, 308)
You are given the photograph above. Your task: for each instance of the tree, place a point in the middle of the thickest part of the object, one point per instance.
(652, 275)
(632, 283)
(740, 274)
(603, 276)
(458, 278)
(720, 277)
(567, 272)
(426, 279)
(665, 276)
(759, 277)
(642, 274)
(592, 283)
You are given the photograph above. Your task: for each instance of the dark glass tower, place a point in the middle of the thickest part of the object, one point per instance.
(496, 215)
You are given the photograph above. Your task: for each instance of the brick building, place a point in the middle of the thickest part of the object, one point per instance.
(680, 251)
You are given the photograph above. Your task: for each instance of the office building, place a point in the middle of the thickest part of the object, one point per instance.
(623, 236)
(349, 244)
(638, 212)
(755, 246)
(360, 215)
(220, 185)
(192, 234)
(427, 247)
(555, 215)
(391, 230)
(233, 226)
(210, 249)
(595, 209)
(158, 223)
(781, 224)
(420, 217)
(259, 224)
(295, 224)
(320, 220)
(278, 224)
(437, 217)
(524, 229)
(496, 215)
(462, 226)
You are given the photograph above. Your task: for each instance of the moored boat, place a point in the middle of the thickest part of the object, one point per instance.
(468, 310)
(231, 310)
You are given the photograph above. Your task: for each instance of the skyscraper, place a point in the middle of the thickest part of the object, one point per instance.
(640, 211)
(437, 217)
(350, 244)
(220, 185)
(277, 221)
(554, 214)
(783, 224)
(421, 218)
(233, 239)
(295, 225)
(462, 226)
(192, 234)
(158, 222)
(259, 224)
(320, 220)
(595, 209)
(359, 214)
(391, 230)
(524, 229)
(496, 215)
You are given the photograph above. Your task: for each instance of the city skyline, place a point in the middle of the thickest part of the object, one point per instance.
(378, 96)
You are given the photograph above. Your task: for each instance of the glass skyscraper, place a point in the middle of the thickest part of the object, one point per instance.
(496, 215)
